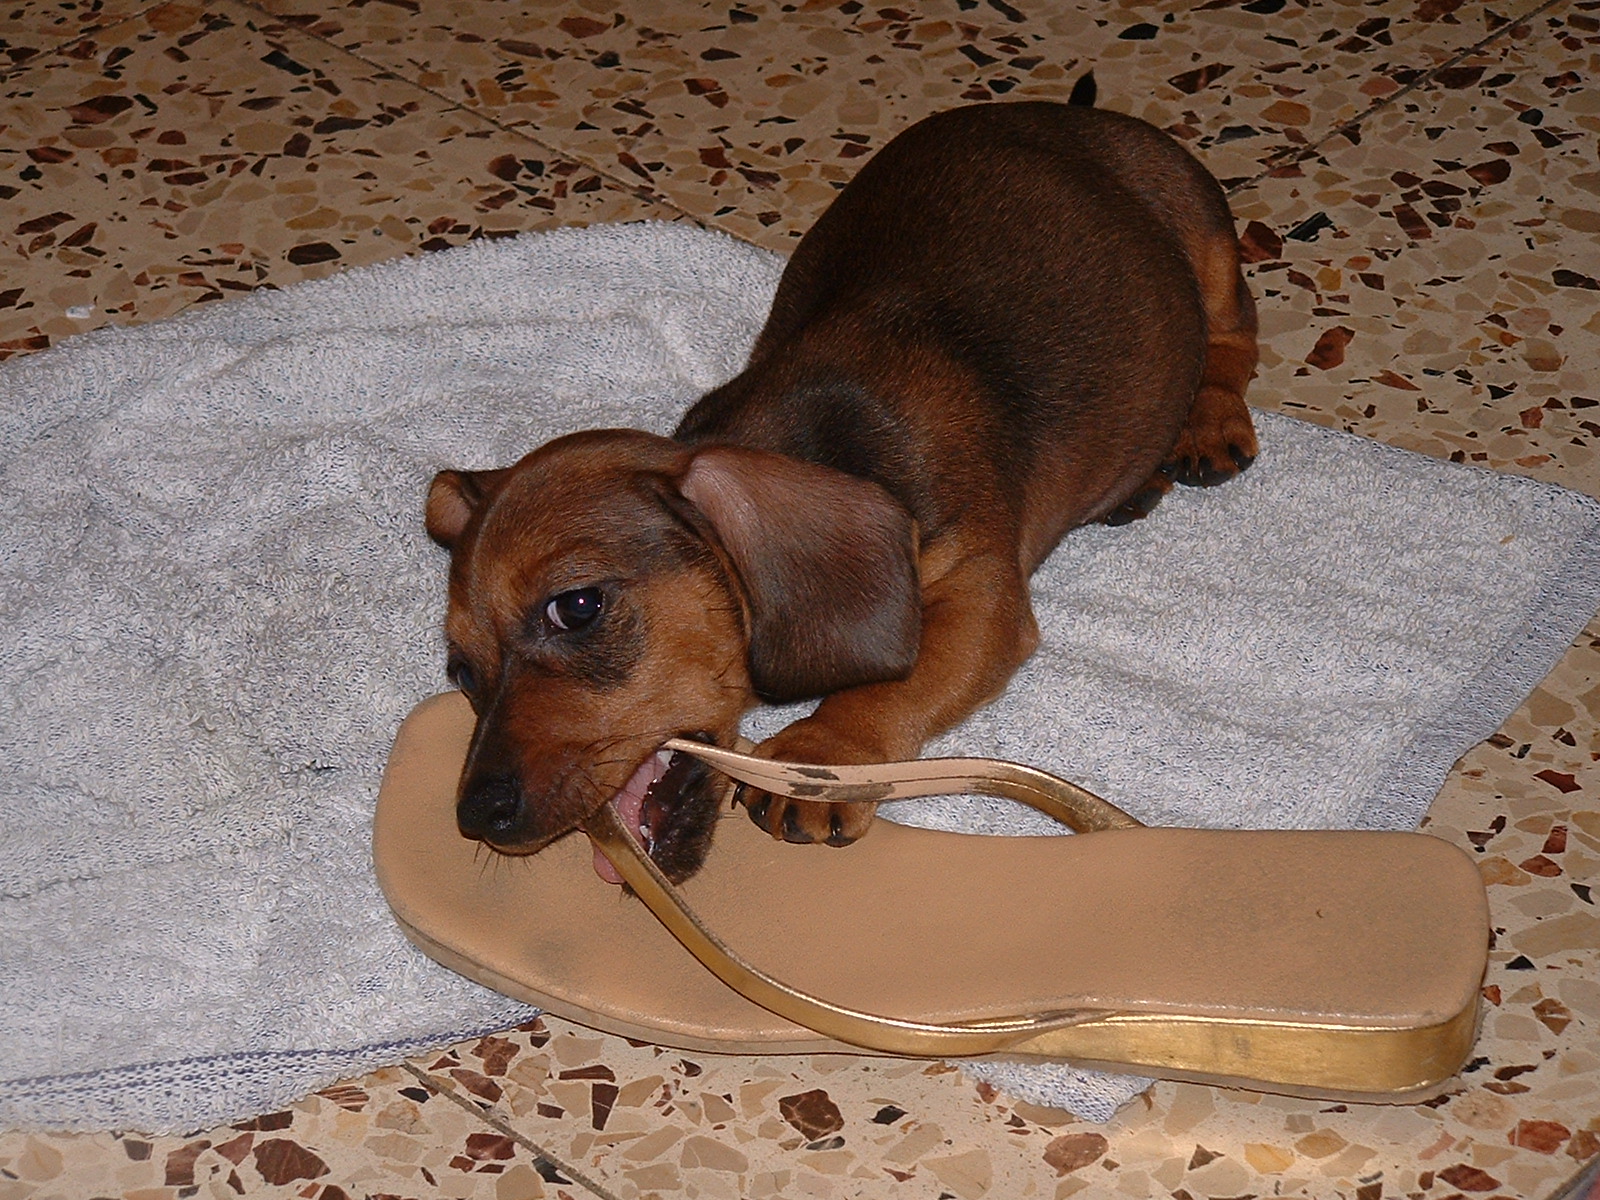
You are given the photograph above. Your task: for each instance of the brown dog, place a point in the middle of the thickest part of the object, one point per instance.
(1018, 318)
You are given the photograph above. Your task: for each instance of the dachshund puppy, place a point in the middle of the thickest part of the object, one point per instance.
(1016, 319)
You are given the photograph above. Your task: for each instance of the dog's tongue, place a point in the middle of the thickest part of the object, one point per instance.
(603, 867)
(629, 803)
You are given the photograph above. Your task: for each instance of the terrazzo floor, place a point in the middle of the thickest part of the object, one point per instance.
(1417, 186)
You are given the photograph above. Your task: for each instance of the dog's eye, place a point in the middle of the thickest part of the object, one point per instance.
(461, 674)
(575, 609)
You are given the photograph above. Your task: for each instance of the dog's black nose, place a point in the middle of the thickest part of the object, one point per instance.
(490, 809)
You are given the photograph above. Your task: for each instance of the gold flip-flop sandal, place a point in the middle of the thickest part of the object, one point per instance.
(1336, 963)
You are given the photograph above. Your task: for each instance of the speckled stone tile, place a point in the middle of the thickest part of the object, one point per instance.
(753, 113)
(1427, 279)
(1434, 284)
(643, 1121)
(31, 28)
(385, 1135)
(198, 151)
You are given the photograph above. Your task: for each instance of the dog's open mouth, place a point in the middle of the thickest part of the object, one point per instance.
(667, 804)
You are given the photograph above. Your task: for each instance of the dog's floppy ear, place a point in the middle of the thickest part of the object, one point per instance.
(828, 562)
(453, 497)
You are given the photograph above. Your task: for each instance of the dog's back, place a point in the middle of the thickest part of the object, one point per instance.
(1021, 279)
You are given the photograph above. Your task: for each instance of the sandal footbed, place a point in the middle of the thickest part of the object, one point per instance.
(1367, 936)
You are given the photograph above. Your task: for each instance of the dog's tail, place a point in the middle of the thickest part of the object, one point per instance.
(1084, 91)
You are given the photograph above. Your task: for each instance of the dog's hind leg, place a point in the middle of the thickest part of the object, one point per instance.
(1219, 438)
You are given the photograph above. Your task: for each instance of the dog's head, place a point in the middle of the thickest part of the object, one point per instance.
(615, 589)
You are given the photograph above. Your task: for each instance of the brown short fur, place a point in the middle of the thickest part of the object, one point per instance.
(1017, 319)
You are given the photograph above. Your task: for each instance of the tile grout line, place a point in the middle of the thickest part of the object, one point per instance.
(1418, 84)
(22, 68)
(653, 195)
(502, 1126)
(632, 187)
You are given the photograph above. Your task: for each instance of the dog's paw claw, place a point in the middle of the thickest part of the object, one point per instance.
(758, 811)
(1141, 504)
(1204, 471)
(792, 832)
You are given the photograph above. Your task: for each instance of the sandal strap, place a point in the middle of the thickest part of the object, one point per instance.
(1072, 805)
(1075, 807)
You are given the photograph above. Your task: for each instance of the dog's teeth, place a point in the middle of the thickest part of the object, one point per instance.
(663, 758)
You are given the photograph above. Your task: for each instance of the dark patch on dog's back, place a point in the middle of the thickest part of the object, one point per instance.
(844, 427)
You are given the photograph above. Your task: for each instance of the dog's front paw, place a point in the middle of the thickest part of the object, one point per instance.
(805, 821)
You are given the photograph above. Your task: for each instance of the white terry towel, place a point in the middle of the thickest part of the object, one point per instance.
(218, 603)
